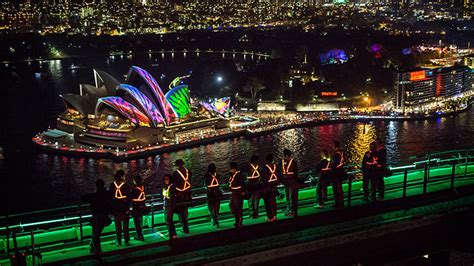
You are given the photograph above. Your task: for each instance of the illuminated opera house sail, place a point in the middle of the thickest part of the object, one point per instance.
(137, 112)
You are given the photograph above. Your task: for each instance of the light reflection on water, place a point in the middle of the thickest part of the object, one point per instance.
(403, 139)
(362, 136)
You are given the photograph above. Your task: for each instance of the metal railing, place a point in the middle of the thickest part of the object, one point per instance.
(458, 161)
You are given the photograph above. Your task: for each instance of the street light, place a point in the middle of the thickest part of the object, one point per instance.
(219, 79)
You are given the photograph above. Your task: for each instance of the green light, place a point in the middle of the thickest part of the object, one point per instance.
(180, 100)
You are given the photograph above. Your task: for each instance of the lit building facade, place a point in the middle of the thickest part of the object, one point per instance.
(136, 113)
(412, 90)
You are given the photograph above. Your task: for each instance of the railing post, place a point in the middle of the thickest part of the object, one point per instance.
(81, 230)
(15, 244)
(349, 192)
(429, 167)
(405, 180)
(33, 256)
(453, 173)
(8, 234)
(467, 163)
(425, 178)
(152, 212)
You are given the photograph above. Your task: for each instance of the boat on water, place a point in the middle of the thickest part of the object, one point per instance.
(42, 74)
(75, 67)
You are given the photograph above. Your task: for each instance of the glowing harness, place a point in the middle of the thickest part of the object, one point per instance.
(166, 192)
(286, 171)
(327, 166)
(187, 185)
(375, 161)
(273, 176)
(231, 180)
(141, 196)
(214, 182)
(118, 191)
(255, 172)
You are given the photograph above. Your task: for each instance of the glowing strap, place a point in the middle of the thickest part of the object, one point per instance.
(141, 196)
(214, 181)
(273, 176)
(376, 161)
(287, 169)
(255, 172)
(166, 192)
(327, 166)
(231, 180)
(187, 185)
(118, 192)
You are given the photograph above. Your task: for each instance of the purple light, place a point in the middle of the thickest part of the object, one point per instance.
(145, 103)
(333, 56)
(166, 109)
(375, 47)
(125, 108)
(406, 51)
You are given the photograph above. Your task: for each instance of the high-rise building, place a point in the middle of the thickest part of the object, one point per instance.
(412, 89)
(415, 89)
(452, 81)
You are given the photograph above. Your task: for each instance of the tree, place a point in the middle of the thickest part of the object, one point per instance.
(254, 85)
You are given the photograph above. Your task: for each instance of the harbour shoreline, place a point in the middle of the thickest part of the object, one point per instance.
(120, 156)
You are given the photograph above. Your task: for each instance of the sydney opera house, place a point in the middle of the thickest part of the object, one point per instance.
(138, 112)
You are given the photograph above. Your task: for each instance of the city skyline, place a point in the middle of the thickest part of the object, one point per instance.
(148, 16)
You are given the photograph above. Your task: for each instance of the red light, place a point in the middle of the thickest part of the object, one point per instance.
(438, 86)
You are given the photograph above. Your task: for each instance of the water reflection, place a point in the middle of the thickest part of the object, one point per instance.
(358, 143)
(66, 178)
(391, 140)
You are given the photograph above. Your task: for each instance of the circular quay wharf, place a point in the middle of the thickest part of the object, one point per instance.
(426, 215)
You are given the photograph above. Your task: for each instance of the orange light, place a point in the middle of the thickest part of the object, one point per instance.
(328, 93)
(417, 75)
(366, 99)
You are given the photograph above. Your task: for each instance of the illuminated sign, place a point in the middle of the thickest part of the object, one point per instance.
(328, 93)
(417, 75)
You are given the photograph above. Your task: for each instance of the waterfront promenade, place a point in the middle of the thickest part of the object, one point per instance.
(439, 185)
(59, 142)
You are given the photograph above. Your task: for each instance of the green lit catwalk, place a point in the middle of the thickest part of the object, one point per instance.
(429, 195)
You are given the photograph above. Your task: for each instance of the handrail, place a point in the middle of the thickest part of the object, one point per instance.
(155, 200)
(451, 151)
(350, 195)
